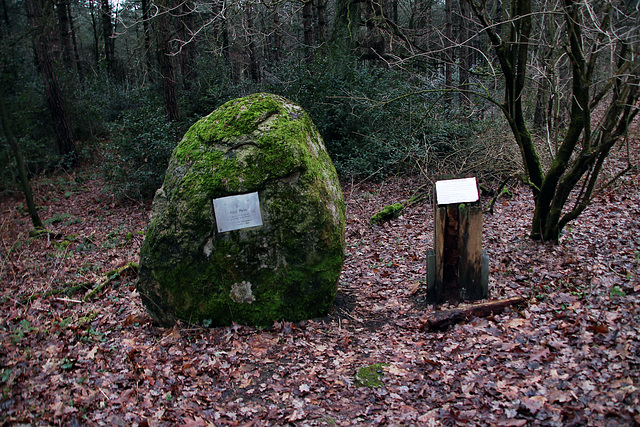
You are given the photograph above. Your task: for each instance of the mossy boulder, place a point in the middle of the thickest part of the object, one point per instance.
(285, 269)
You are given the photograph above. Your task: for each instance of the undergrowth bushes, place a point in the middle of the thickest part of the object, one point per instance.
(374, 121)
(138, 151)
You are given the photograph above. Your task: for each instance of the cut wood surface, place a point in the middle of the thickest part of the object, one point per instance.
(441, 320)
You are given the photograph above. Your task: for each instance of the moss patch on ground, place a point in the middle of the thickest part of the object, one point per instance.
(370, 376)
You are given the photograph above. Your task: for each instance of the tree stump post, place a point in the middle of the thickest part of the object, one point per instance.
(457, 269)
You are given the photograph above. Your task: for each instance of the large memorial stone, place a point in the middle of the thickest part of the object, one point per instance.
(248, 226)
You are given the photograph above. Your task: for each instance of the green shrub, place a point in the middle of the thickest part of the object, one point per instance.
(138, 152)
(374, 121)
(97, 103)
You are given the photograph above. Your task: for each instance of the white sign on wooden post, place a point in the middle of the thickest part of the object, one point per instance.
(237, 212)
(463, 190)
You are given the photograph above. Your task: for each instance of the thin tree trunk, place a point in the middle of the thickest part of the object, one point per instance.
(254, 66)
(62, 9)
(513, 55)
(221, 32)
(343, 39)
(22, 169)
(147, 33)
(96, 33)
(74, 41)
(307, 23)
(390, 10)
(277, 36)
(321, 10)
(5, 13)
(107, 35)
(448, 46)
(463, 33)
(167, 67)
(188, 51)
(41, 16)
(307, 29)
(540, 112)
(583, 150)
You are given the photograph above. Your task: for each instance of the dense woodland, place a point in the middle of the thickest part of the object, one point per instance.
(539, 100)
(392, 85)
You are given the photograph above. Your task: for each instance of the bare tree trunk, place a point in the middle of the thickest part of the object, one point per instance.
(109, 40)
(321, 10)
(5, 13)
(95, 32)
(188, 51)
(254, 66)
(307, 29)
(307, 23)
(390, 10)
(588, 139)
(165, 60)
(540, 112)
(22, 169)
(343, 39)
(41, 17)
(74, 41)
(62, 9)
(448, 46)
(221, 34)
(147, 33)
(277, 36)
(463, 33)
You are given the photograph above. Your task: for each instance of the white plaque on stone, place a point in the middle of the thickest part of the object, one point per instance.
(237, 212)
(450, 191)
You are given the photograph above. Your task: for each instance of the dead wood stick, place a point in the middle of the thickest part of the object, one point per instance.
(441, 320)
(109, 277)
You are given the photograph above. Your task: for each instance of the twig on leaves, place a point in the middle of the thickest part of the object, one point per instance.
(110, 277)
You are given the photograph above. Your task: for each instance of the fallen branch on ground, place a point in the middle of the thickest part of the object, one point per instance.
(110, 277)
(394, 211)
(38, 232)
(441, 320)
(67, 290)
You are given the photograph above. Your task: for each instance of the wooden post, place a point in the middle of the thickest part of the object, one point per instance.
(457, 270)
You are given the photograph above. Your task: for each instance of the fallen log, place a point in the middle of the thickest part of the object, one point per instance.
(442, 320)
(109, 277)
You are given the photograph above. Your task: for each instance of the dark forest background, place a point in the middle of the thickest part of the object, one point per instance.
(394, 86)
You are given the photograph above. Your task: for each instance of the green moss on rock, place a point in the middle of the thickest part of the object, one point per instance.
(286, 269)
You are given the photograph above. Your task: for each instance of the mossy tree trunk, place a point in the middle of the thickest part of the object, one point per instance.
(343, 40)
(588, 139)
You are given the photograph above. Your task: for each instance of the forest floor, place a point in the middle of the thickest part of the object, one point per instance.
(569, 355)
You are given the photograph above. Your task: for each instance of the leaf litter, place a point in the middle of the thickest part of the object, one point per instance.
(569, 356)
